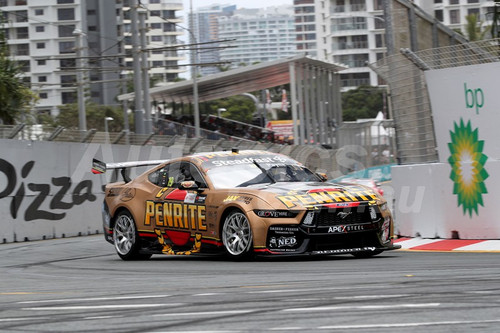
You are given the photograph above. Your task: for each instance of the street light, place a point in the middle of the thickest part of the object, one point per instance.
(106, 127)
(219, 110)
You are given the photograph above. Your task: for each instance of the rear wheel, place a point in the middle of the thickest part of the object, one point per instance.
(126, 239)
(237, 235)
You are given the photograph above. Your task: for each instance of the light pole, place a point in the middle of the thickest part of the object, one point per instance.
(194, 72)
(219, 110)
(106, 119)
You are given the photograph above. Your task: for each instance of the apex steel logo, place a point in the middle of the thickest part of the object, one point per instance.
(467, 167)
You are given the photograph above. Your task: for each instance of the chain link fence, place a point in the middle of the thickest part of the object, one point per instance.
(417, 42)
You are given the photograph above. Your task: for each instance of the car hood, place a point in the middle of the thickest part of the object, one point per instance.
(312, 194)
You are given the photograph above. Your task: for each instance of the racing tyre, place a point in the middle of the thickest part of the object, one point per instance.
(366, 254)
(237, 235)
(126, 239)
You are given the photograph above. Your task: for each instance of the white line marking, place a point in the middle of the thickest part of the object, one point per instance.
(435, 323)
(98, 307)
(92, 299)
(20, 319)
(297, 290)
(363, 297)
(101, 317)
(204, 313)
(362, 307)
(208, 294)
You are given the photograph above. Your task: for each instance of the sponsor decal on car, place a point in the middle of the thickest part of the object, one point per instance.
(167, 241)
(238, 198)
(325, 197)
(175, 215)
(340, 251)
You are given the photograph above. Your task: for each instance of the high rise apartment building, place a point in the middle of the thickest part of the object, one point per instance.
(258, 35)
(162, 38)
(205, 24)
(49, 37)
(352, 32)
(42, 36)
(305, 27)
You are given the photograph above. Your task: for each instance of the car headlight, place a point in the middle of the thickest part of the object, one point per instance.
(269, 213)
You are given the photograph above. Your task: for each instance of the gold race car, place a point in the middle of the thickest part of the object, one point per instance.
(242, 203)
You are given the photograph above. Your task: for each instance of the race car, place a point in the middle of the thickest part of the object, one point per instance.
(241, 203)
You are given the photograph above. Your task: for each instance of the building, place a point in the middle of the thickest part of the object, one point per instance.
(43, 36)
(163, 32)
(305, 27)
(352, 32)
(205, 24)
(257, 35)
(49, 38)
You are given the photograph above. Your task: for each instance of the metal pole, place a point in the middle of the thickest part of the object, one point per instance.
(194, 72)
(138, 113)
(82, 121)
(145, 72)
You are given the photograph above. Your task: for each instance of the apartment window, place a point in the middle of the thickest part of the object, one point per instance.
(40, 28)
(66, 47)
(42, 79)
(454, 16)
(154, 13)
(91, 12)
(38, 12)
(64, 14)
(68, 97)
(66, 30)
(156, 38)
(65, 1)
(92, 28)
(22, 33)
(21, 2)
(68, 80)
(41, 62)
(472, 1)
(454, 2)
(438, 14)
(378, 4)
(23, 49)
(67, 63)
(43, 95)
(40, 45)
(438, 1)
(474, 11)
(155, 25)
(380, 40)
(154, 1)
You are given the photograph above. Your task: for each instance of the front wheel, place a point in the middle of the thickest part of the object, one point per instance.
(126, 239)
(237, 235)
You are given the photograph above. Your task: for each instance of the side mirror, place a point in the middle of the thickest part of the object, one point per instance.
(322, 176)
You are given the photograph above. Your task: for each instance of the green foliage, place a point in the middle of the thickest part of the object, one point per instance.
(15, 96)
(95, 114)
(239, 108)
(361, 103)
(474, 28)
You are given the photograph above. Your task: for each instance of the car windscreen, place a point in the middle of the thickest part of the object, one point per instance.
(244, 175)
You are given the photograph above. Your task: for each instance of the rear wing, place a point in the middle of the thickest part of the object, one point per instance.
(99, 167)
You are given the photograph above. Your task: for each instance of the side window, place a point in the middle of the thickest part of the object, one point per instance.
(173, 174)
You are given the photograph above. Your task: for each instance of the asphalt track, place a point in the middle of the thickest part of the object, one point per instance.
(80, 285)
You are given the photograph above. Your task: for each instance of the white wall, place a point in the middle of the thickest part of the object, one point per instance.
(48, 191)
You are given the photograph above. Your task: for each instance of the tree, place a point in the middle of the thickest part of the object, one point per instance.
(15, 96)
(474, 28)
(361, 103)
(238, 108)
(68, 117)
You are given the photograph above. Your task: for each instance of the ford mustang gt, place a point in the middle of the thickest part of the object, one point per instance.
(241, 203)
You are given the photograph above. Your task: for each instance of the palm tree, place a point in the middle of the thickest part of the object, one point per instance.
(15, 96)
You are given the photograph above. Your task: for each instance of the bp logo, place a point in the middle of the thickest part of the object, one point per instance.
(467, 167)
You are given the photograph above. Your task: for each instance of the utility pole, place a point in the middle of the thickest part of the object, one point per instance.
(138, 112)
(80, 53)
(194, 73)
(145, 72)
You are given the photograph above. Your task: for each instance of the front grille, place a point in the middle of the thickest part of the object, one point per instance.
(344, 216)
